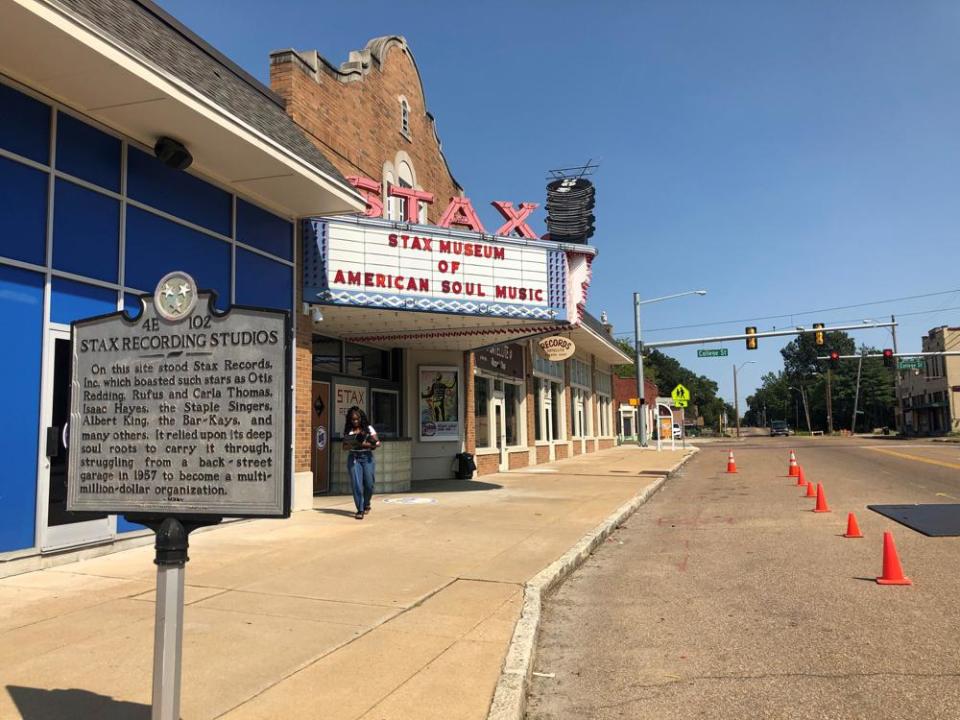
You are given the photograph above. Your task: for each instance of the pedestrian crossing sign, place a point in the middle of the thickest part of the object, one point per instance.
(681, 396)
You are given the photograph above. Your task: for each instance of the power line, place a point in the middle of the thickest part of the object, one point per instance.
(806, 312)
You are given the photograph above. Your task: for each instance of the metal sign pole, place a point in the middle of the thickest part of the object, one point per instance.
(168, 643)
(172, 543)
(171, 547)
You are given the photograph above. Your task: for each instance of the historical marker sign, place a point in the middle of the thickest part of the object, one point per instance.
(719, 352)
(181, 411)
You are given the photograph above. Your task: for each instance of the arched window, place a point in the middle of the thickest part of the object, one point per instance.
(392, 204)
(405, 117)
(404, 180)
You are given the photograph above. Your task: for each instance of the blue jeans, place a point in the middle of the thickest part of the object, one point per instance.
(360, 466)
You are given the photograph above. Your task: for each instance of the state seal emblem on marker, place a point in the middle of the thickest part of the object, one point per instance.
(175, 296)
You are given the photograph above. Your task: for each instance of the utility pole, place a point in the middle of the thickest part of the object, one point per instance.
(896, 380)
(829, 402)
(736, 400)
(856, 397)
(638, 364)
(806, 405)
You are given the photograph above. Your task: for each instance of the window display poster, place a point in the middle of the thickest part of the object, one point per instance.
(345, 396)
(438, 394)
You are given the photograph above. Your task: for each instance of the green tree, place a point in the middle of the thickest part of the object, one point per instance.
(805, 372)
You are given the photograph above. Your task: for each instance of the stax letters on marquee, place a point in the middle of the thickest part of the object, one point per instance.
(459, 211)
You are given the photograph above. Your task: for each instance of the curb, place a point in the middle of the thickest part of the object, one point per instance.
(510, 697)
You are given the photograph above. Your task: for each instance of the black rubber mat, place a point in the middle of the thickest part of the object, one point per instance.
(934, 520)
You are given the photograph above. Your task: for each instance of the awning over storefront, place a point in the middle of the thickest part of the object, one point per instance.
(133, 68)
(410, 329)
(591, 336)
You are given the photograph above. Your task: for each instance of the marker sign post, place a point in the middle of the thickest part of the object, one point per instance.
(177, 419)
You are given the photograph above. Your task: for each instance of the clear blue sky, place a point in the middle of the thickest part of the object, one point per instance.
(785, 156)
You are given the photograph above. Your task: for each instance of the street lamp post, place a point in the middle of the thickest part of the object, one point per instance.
(736, 399)
(638, 357)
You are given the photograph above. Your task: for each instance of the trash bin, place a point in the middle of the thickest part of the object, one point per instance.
(465, 466)
(886, 430)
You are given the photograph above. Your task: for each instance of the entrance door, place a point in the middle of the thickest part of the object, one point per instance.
(321, 432)
(58, 528)
(548, 429)
(500, 431)
(581, 420)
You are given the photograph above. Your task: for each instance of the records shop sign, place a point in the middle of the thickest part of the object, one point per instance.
(181, 411)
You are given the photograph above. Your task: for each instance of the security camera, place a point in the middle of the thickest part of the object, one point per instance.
(173, 154)
(316, 314)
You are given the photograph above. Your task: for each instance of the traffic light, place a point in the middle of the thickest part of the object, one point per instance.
(751, 341)
(819, 335)
(888, 358)
(834, 359)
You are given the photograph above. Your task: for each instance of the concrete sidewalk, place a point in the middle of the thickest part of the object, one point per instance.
(406, 614)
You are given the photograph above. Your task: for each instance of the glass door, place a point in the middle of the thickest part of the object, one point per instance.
(321, 434)
(549, 429)
(58, 528)
(580, 424)
(500, 431)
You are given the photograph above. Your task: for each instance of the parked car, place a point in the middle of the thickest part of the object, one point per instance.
(677, 431)
(779, 427)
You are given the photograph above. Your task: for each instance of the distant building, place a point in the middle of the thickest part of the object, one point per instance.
(625, 389)
(927, 398)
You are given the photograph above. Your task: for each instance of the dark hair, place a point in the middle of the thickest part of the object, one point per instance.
(364, 420)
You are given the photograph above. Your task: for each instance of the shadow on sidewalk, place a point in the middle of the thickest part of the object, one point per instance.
(335, 511)
(40, 704)
(436, 486)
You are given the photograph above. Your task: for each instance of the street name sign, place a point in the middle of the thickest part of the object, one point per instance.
(182, 411)
(680, 396)
(915, 363)
(719, 352)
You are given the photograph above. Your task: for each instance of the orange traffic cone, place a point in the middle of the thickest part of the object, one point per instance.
(793, 470)
(821, 500)
(810, 491)
(892, 572)
(731, 463)
(853, 529)
(801, 477)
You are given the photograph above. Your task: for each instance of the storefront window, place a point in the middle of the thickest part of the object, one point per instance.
(511, 411)
(538, 410)
(365, 361)
(385, 412)
(481, 410)
(326, 354)
(556, 397)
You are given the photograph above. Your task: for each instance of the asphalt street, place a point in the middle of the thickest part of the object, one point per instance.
(725, 596)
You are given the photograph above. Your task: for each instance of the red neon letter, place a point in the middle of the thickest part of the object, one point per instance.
(413, 197)
(460, 212)
(371, 193)
(515, 218)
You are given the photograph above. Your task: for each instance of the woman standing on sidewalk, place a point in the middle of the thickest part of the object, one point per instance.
(360, 440)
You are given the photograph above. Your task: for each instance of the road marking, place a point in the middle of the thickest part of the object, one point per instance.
(952, 497)
(942, 463)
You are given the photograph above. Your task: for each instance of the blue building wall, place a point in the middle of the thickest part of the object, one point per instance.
(88, 221)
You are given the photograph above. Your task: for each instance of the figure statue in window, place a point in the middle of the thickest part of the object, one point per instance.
(436, 396)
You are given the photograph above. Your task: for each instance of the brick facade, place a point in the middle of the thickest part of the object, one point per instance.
(353, 113)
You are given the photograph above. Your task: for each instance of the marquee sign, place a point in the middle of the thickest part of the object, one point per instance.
(375, 264)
